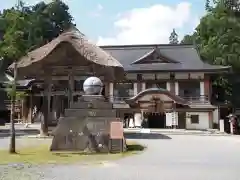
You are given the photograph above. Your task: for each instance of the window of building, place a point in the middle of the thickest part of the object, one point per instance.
(189, 89)
(123, 89)
(172, 76)
(195, 119)
(139, 77)
(156, 85)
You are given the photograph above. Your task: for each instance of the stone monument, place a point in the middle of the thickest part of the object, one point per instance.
(86, 124)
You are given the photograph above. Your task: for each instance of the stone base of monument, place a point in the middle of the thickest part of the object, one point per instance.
(87, 126)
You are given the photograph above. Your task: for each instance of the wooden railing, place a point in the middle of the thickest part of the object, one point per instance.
(197, 99)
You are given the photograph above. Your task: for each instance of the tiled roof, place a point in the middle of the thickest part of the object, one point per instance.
(186, 55)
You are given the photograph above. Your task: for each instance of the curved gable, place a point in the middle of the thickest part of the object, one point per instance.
(162, 94)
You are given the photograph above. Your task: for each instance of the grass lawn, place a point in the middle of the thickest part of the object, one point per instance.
(40, 154)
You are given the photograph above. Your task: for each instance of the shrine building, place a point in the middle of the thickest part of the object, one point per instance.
(164, 86)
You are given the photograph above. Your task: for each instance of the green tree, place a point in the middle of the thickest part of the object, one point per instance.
(35, 26)
(173, 39)
(217, 39)
(188, 39)
(25, 28)
(13, 47)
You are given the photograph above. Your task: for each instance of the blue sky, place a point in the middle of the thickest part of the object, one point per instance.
(132, 22)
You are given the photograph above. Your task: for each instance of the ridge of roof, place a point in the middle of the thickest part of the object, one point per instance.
(142, 59)
(133, 46)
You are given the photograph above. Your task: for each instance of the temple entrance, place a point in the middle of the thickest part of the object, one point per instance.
(156, 120)
(153, 104)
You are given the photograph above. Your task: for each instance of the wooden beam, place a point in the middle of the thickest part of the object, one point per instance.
(77, 78)
(58, 93)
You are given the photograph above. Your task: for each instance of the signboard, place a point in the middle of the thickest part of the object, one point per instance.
(116, 130)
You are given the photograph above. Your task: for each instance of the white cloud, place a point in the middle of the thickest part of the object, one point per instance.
(99, 7)
(97, 12)
(148, 25)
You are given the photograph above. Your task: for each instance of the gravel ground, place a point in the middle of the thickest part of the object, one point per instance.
(168, 158)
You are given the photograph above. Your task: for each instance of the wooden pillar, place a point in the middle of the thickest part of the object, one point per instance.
(58, 105)
(207, 88)
(111, 89)
(55, 108)
(202, 91)
(46, 105)
(174, 117)
(70, 88)
(172, 87)
(176, 88)
(25, 108)
(30, 110)
(106, 89)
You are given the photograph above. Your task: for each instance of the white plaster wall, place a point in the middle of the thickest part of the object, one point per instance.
(135, 89)
(163, 75)
(176, 88)
(203, 120)
(168, 86)
(138, 119)
(197, 75)
(181, 75)
(172, 119)
(168, 119)
(143, 86)
(216, 116)
(202, 93)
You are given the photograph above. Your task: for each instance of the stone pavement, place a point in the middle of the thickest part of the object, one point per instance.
(33, 129)
(176, 131)
(166, 157)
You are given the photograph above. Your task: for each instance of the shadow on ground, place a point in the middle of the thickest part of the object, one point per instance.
(5, 135)
(134, 135)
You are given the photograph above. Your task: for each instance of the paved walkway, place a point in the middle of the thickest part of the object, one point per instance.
(167, 158)
(34, 129)
(176, 131)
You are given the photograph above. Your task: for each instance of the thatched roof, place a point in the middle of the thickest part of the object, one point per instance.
(88, 52)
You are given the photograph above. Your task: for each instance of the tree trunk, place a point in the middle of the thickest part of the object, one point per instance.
(12, 146)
